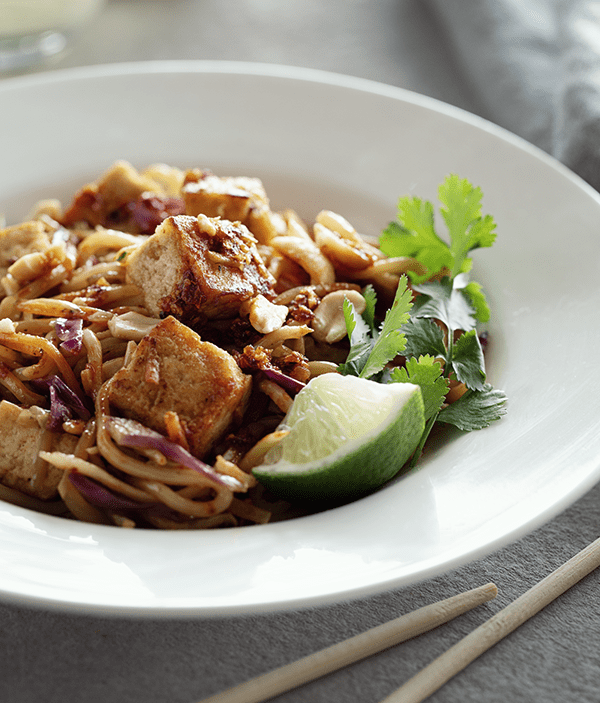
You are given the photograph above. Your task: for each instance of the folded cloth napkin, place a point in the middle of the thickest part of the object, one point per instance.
(535, 65)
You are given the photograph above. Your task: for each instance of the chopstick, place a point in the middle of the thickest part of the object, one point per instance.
(447, 665)
(352, 650)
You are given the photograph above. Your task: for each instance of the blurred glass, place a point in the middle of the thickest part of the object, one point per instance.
(33, 31)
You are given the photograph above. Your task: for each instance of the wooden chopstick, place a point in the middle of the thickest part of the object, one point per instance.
(352, 650)
(447, 665)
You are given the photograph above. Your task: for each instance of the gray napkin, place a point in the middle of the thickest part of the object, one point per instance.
(535, 65)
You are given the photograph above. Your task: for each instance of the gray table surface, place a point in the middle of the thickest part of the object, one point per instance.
(50, 657)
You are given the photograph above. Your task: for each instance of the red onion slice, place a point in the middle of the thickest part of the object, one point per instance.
(289, 384)
(70, 333)
(129, 433)
(64, 403)
(102, 497)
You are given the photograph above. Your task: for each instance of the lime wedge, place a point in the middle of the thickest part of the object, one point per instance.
(347, 437)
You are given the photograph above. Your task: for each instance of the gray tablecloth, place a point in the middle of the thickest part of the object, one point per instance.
(498, 59)
(534, 66)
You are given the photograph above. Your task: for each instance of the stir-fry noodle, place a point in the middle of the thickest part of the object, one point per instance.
(154, 332)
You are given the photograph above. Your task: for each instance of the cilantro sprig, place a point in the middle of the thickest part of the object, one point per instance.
(434, 334)
(414, 233)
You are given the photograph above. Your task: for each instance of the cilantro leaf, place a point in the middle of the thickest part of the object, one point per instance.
(425, 372)
(478, 301)
(475, 409)
(443, 301)
(361, 342)
(368, 315)
(355, 360)
(358, 330)
(416, 216)
(414, 236)
(396, 240)
(391, 341)
(467, 361)
(462, 213)
(423, 336)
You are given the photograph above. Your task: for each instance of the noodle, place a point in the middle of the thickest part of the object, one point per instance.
(12, 383)
(11, 495)
(91, 376)
(38, 346)
(276, 393)
(78, 505)
(283, 334)
(69, 463)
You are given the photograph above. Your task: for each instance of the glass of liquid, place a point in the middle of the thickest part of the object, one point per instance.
(33, 31)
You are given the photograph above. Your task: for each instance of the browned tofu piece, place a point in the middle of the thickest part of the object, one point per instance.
(173, 370)
(100, 202)
(21, 239)
(198, 268)
(235, 198)
(20, 435)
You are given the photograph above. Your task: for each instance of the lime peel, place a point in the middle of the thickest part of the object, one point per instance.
(347, 437)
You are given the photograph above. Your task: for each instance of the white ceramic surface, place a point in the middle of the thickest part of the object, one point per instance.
(325, 141)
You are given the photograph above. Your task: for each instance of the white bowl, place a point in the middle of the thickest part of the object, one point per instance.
(325, 141)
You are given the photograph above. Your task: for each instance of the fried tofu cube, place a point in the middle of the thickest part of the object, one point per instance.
(174, 371)
(96, 203)
(20, 435)
(18, 240)
(235, 198)
(198, 268)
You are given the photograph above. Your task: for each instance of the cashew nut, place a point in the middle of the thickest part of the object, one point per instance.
(307, 255)
(329, 324)
(131, 325)
(295, 226)
(264, 315)
(338, 224)
(344, 252)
